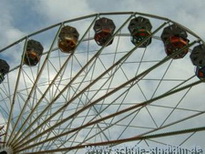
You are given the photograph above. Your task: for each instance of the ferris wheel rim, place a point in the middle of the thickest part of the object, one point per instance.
(97, 15)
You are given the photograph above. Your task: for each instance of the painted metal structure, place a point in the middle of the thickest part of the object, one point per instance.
(98, 95)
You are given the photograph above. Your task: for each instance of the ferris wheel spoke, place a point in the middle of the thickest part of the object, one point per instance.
(128, 109)
(6, 90)
(140, 63)
(146, 107)
(182, 83)
(162, 79)
(120, 68)
(125, 93)
(34, 85)
(102, 89)
(69, 125)
(154, 121)
(107, 91)
(6, 109)
(93, 58)
(57, 73)
(176, 106)
(128, 82)
(139, 137)
(9, 90)
(14, 97)
(97, 113)
(57, 84)
(152, 67)
(99, 131)
(53, 131)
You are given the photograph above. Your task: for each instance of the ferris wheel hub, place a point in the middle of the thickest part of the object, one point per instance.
(6, 150)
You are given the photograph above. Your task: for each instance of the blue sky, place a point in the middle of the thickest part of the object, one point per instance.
(19, 18)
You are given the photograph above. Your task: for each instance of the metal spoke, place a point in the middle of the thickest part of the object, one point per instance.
(123, 90)
(125, 110)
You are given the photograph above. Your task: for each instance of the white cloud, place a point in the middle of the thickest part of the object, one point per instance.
(50, 12)
(57, 11)
(8, 32)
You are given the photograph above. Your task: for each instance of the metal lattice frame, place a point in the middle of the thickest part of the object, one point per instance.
(91, 97)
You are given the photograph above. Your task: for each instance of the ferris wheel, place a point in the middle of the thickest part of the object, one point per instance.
(103, 80)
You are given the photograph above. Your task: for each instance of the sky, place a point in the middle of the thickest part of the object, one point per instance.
(21, 18)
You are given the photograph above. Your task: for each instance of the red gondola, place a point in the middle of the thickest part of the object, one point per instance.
(34, 51)
(198, 55)
(68, 39)
(175, 39)
(140, 28)
(4, 69)
(104, 29)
